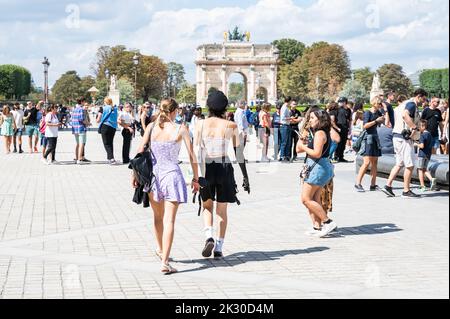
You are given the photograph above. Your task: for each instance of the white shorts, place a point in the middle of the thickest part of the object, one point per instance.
(404, 152)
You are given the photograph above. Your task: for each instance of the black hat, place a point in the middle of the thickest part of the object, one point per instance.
(343, 100)
(217, 101)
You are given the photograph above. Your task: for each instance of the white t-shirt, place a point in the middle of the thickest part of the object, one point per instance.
(18, 118)
(51, 131)
(126, 117)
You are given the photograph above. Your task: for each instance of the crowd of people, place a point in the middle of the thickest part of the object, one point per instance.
(413, 131)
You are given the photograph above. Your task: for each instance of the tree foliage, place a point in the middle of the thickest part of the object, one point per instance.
(327, 67)
(289, 49)
(67, 89)
(354, 91)
(393, 78)
(293, 80)
(187, 94)
(365, 77)
(236, 92)
(151, 70)
(435, 81)
(15, 81)
(175, 78)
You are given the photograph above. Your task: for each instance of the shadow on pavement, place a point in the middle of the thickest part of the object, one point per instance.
(244, 257)
(85, 164)
(374, 229)
(440, 194)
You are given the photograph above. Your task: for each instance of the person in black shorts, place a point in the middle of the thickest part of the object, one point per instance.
(213, 136)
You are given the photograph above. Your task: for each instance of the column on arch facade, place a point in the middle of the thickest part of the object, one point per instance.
(251, 94)
(224, 80)
(272, 94)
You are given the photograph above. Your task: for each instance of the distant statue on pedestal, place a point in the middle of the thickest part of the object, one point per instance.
(376, 87)
(114, 93)
(113, 85)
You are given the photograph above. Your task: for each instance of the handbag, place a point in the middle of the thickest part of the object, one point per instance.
(358, 143)
(306, 170)
(106, 118)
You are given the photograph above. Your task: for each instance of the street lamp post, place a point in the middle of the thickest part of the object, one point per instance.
(136, 63)
(46, 64)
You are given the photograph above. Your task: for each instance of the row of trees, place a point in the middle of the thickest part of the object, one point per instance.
(154, 80)
(15, 81)
(435, 81)
(322, 71)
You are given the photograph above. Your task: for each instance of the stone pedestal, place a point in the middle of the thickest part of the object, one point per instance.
(115, 96)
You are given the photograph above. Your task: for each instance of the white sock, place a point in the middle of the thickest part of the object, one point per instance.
(209, 232)
(219, 244)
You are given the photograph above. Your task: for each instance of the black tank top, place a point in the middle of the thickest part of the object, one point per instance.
(148, 120)
(326, 147)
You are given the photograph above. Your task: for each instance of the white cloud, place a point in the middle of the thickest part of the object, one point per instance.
(411, 33)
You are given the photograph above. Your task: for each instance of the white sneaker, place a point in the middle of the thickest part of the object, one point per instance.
(313, 232)
(79, 163)
(327, 228)
(433, 184)
(44, 161)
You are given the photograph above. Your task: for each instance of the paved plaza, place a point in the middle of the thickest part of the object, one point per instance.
(69, 231)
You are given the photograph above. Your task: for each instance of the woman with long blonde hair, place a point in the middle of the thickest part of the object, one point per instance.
(169, 188)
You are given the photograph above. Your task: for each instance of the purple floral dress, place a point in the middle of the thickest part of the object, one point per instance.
(169, 182)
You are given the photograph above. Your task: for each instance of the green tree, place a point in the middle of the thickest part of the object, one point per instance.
(289, 49)
(435, 81)
(15, 81)
(151, 70)
(365, 77)
(393, 78)
(85, 84)
(175, 78)
(354, 91)
(187, 94)
(235, 92)
(67, 88)
(126, 90)
(445, 87)
(293, 81)
(327, 67)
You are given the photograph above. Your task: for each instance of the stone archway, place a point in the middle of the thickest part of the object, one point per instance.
(257, 63)
(262, 95)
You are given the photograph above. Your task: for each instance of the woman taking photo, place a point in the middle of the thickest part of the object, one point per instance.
(169, 189)
(319, 172)
(371, 148)
(51, 133)
(213, 137)
(108, 128)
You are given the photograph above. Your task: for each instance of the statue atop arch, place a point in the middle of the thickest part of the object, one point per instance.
(237, 36)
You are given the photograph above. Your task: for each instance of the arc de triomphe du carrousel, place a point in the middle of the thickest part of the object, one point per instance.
(257, 63)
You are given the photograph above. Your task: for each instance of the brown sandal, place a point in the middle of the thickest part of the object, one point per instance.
(167, 269)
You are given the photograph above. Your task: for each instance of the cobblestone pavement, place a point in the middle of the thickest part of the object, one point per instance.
(69, 231)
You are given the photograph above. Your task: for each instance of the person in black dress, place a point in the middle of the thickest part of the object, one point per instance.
(371, 147)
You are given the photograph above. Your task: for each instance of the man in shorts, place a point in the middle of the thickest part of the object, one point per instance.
(405, 155)
(32, 126)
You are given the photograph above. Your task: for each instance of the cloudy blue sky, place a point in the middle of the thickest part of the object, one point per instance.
(413, 33)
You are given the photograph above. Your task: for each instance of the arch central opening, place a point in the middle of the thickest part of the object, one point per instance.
(237, 88)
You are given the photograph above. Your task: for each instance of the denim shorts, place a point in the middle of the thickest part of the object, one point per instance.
(81, 138)
(31, 130)
(436, 142)
(321, 174)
